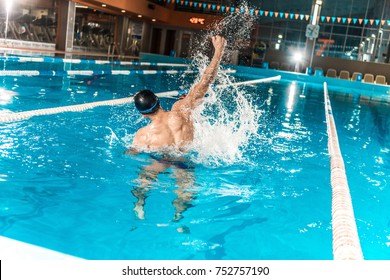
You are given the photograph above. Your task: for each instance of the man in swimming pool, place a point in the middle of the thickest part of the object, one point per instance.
(171, 132)
(174, 129)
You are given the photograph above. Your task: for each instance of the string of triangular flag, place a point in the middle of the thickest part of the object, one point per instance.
(282, 15)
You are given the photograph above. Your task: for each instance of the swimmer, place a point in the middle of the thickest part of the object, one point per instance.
(174, 129)
(170, 133)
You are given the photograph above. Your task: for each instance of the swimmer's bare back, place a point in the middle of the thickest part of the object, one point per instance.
(174, 130)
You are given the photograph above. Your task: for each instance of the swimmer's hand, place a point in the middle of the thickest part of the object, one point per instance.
(219, 43)
(132, 151)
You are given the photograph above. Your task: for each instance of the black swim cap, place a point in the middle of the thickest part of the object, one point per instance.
(146, 102)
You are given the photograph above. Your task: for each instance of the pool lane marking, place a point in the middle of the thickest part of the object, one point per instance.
(12, 117)
(346, 243)
(35, 73)
(85, 61)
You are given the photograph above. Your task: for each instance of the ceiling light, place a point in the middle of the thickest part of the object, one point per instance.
(154, 19)
(104, 5)
(81, 6)
(123, 11)
(139, 16)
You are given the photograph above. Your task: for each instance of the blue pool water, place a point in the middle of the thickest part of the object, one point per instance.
(65, 183)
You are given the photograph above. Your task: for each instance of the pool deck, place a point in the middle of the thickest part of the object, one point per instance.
(16, 250)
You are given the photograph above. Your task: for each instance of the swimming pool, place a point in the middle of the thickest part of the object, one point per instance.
(66, 184)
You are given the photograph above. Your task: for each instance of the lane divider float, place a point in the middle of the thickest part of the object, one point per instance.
(12, 117)
(346, 243)
(85, 61)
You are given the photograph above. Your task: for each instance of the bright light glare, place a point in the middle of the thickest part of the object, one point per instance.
(291, 97)
(6, 96)
(8, 5)
(298, 57)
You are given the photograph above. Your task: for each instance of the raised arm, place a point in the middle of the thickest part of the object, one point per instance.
(198, 91)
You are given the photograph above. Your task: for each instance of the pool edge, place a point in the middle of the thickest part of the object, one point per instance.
(12, 249)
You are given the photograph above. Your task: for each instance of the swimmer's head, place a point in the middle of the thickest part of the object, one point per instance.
(146, 102)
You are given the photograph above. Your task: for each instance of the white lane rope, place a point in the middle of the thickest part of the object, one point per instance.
(85, 61)
(346, 243)
(35, 73)
(12, 117)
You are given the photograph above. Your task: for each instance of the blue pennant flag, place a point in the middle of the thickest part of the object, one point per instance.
(177, 1)
(169, 1)
(354, 20)
(232, 9)
(344, 19)
(251, 11)
(281, 14)
(261, 12)
(186, 3)
(377, 21)
(195, 4)
(388, 22)
(271, 14)
(365, 21)
(242, 10)
(214, 6)
(291, 16)
(333, 19)
(322, 18)
(301, 16)
(223, 8)
(204, 5)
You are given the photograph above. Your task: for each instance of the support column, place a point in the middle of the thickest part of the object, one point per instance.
(122, 33)
(312, 30)
(65, 27)
(163, 40)
(145, 43)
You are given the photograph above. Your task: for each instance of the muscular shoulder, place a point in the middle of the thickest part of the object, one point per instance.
(182, 106)
(140, 137)
(177, 116)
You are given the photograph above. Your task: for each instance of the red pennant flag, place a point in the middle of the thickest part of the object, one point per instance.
(286, 15)
(360, 20)
(327, 19)
(338, 19)
(383, 22)
(307, 17)
(371, 21)
(296, 16)
(349, 20)
(276, 14)
(266, 13)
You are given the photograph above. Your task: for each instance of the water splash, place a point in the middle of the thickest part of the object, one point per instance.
(227, 119)
(235, 27)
